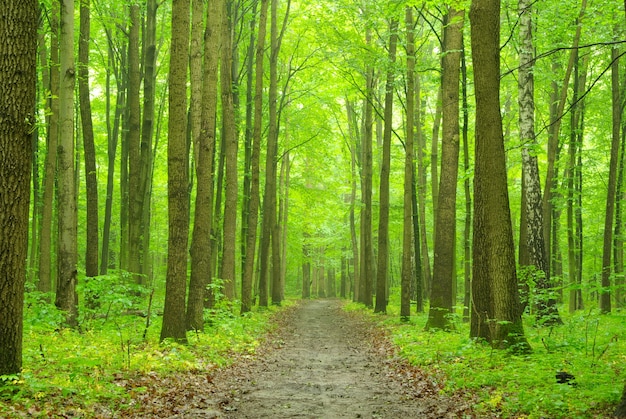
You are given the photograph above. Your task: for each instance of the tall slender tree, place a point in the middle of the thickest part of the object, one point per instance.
(442, 292)
(407, 219)
(92, 230)
(385, 168)
(533, 228)
(607, 242)
(230, 142)
(67, 258)
(45, 242)
(178, 178)
(18, 52)
(204, 153)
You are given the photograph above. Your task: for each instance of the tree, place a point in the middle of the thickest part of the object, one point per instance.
(607, 248)
(496, 312)
(91, 251)
(230, 143)
(67, 257)
(366, 276)
(204, 144)
(442, 292)
(18, 49)
(52, 122)
(532, 214)
(407, 220)
(385, 168)
(254, 202)
(178, 178)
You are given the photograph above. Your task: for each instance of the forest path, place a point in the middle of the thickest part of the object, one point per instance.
(326, 363)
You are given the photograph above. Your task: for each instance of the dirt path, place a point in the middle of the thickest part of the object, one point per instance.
(322, 364)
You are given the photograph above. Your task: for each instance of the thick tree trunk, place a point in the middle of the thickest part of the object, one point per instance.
(178, 178)
(385, 168)
(18, 66)
(496, 313)
(442, 292)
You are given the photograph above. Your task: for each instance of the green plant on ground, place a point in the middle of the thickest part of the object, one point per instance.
(75, 370)
(589, 346)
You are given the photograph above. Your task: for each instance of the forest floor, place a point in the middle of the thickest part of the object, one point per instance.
(319, 362)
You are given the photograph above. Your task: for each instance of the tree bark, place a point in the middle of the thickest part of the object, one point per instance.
(537, 262)
(92, 230)
(204, 151)
(385, 168)
(229, 137)
(45, 242)
(67, 275)
(367, 252)
(178, 178)
(135, 197)
(407, 219)
(442, 292)
(496, 314)
(607, 242)
(18, 75)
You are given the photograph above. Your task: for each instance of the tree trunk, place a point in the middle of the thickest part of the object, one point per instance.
(556, 113)
(537, 262)
(147, 150)
(407, 219)
(467, 188)
(496, 313)
(135, 197)
(607, 248)
(18, 76)
(91, 251)
(442, 292)
(255, 172)
(178, 178)
(112, 135)
(246, 207)
(421, 187)
(66, 297)
(367, 252)
(574, 184)
(205, 149)
(229, 137)
(385, 168)
(45, 242)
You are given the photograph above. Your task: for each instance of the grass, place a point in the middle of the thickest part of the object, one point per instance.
(590, 346)
(74, 370)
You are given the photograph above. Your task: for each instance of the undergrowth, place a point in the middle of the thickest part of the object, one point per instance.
(589, 346)
(118, 338)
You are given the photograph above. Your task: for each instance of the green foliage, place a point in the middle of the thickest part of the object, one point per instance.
(80, 369)
(589, 346)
